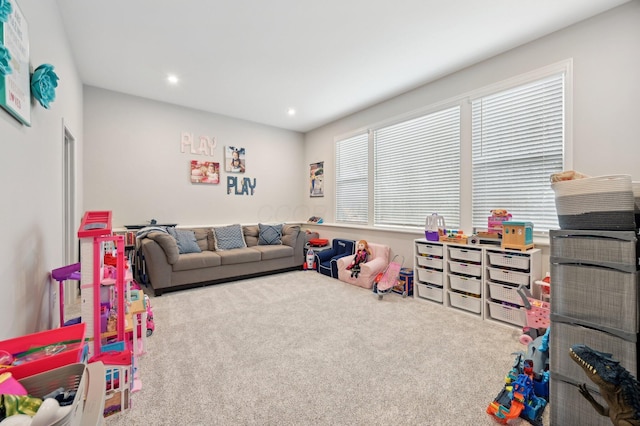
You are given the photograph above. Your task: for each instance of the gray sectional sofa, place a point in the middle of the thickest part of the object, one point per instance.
(172, 264)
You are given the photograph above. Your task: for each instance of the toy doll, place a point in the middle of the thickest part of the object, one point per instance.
(362, 255)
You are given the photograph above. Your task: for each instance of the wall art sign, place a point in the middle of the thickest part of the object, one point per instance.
(15, 85)
(234, 159)
(204, 146)
(316, 177)
(205, 172)
(240, 186)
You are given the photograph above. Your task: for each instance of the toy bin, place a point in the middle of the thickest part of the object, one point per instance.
(39, 352)
(405, 282)
(86, 381)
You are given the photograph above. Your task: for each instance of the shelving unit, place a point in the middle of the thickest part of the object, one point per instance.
(475, 279)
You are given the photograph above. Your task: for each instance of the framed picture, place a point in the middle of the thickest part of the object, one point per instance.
(15, 86)
(234, 159)
(316, 177)
(205, 172)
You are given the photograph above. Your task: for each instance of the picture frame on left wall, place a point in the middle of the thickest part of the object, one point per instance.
(204, 172)
(15, 74)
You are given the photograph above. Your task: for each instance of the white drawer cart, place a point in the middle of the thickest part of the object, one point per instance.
(477, 280)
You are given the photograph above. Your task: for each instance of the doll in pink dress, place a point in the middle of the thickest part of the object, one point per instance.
(362, 255)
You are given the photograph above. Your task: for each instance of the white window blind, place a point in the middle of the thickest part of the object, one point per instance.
(518, 139)
(417, 170)
(352, 179)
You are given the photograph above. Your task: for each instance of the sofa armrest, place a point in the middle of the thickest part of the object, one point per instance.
(156, 263)
(344, 261)
(374, 266)
(324, 255)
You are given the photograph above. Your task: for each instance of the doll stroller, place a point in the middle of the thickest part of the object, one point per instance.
(386, 280)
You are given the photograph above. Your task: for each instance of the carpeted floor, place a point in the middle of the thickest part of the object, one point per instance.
(300, 348)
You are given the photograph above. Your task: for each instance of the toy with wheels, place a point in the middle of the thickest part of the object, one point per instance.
(385, 280)
(309, 263)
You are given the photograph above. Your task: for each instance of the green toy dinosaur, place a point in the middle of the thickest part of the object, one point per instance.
(617, 386)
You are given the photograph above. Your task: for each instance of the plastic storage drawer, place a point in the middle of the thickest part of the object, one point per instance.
(430, 276)
(429, 262)
(465, 284)
(468, 303)
(510, 314)
(515, 261)
(607, 297)
(430, 249)
(505, 293)
(465, 254)
(614, 249)
(430, 292)
(465, 269)
(564, 335)
(509, 277)
(569, 407)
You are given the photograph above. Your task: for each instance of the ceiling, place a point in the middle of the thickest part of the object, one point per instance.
(255, 59)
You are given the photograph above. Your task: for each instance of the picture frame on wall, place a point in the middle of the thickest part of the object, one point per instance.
(15, 75)
(234, 159)
(204, 172)
(316, 178)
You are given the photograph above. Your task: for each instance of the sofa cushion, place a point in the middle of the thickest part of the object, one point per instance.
(190, 261)
(270, 235)
(202, 238)
(274, 252)
(168, 244)
(229, 237)
(186, 240)
(234, 256)
(290, 234)
(251, 233)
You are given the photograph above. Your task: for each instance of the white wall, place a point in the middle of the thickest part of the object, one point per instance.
(31, 181)
(134, 165)
(606, 94)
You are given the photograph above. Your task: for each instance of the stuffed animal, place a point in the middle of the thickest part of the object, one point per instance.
(362, 255)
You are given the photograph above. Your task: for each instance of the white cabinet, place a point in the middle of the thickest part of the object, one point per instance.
(478, 280)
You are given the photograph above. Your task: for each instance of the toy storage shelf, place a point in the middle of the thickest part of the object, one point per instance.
(477, 280)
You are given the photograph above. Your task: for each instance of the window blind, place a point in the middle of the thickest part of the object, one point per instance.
(417, 170)
(517, 140)
(352, 179)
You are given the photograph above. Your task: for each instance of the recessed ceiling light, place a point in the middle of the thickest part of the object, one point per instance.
(172, 79)
(291, 111)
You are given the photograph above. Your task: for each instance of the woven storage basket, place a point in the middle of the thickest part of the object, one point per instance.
(608, 297)
(599, 203)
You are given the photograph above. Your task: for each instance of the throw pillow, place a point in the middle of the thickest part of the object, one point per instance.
(229, 237)
(270, 235)
(186, 240)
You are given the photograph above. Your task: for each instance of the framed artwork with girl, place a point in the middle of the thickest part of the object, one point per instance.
(234, 158)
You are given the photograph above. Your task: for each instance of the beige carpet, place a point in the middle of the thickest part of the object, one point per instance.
(300, 348)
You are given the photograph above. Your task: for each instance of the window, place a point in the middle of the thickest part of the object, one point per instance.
(417, 170)
(518, 140)
(352, 179)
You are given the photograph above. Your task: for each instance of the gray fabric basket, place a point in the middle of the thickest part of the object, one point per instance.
(613, 249)
(597, 295)
(564, 335)
(569, 407)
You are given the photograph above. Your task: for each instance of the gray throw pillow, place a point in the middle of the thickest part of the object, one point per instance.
(186, 240)
(270, 235)
(229, 237)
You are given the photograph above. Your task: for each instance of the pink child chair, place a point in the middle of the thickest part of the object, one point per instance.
(377, 262)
